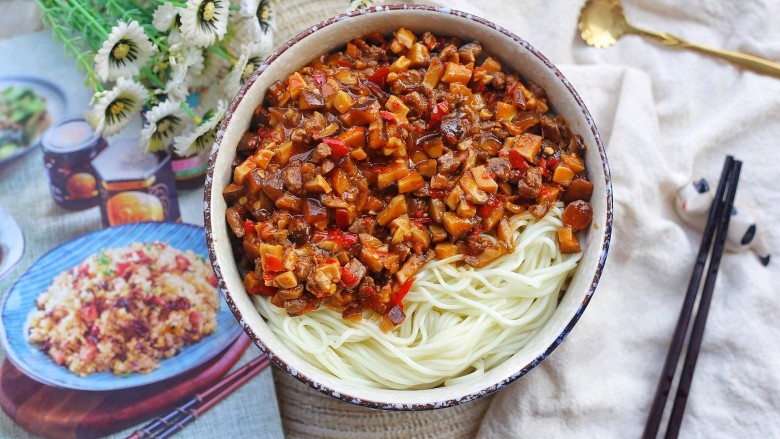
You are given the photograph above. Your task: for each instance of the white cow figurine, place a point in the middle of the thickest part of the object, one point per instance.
(693, 205)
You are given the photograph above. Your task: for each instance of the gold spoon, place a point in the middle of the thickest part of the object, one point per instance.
(602, 22)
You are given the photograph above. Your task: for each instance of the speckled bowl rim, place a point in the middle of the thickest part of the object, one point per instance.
(378, 404)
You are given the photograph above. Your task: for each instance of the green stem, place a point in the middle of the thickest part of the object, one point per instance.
(172, 2)
(96, 25)
(222, 53)
(70, 45)
(186, 108)
(152, 77)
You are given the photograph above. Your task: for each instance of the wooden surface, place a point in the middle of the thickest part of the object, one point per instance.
(64, 413)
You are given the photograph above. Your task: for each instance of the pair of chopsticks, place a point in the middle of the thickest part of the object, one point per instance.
(168, 425)
(716, 229)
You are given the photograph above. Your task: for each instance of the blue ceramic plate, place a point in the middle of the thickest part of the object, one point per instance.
(56, 106)
(19, 304)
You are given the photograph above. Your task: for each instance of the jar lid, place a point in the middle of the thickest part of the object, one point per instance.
(125, 160)
(71, 136)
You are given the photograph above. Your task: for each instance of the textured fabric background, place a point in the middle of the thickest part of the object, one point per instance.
(667, 116)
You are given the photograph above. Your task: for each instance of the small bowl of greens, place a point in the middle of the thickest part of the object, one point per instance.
(28, 106)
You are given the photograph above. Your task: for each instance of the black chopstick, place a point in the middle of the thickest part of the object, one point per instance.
(182, 415)
(697, 333)
(717, 215)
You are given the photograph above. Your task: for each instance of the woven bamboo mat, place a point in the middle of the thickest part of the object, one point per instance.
(307, 413)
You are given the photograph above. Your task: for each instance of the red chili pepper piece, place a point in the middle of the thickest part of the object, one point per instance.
(544, 191)
(349, 279)
(516, 160)
(337, 236)
(380, 76)
(262, 289)
(338, 148)
(249, 227)
(545, 169)
(272, 264)
(342, 219)
(496, 201)
(388, 116)
(398, 297)
(437, 112)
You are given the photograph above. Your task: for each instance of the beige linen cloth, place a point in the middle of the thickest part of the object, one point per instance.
(666, 116)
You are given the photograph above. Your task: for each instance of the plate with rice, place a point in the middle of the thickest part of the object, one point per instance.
(118, 308)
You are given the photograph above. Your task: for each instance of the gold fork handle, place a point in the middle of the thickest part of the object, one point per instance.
(751, 62)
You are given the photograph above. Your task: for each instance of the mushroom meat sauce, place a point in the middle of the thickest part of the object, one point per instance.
(369, 162)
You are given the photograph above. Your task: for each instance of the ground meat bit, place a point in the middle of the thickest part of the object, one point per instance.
(449, 163)
(477, 244)
(406, 82)
(320, 152)
(530, 186)
(316, 122)
(299, 231)
(469, 52)
(304, 267)
(375, 53)
(550, 129)
(499, 80)
(499, 168)
(366, 224)
(537, 90)
(416, 102)
(292, 177)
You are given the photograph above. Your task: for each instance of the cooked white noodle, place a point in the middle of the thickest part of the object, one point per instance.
(460, 322)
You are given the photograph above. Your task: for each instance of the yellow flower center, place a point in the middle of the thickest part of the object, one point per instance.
(121, 50)
(264, 13)
(247, 71)
(116, 108)
(163, 126)
(208, 11)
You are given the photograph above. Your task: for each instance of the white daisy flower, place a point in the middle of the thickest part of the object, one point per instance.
(184, 61)
(252, 55)
(258, 22)
(235, 79)
(114, 108)
(203, 135)
(125, 51)
(204, 21)
(214, 68)
(163, 122)
(165, 16)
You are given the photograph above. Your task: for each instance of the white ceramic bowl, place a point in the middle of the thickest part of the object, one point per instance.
(515, 55)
